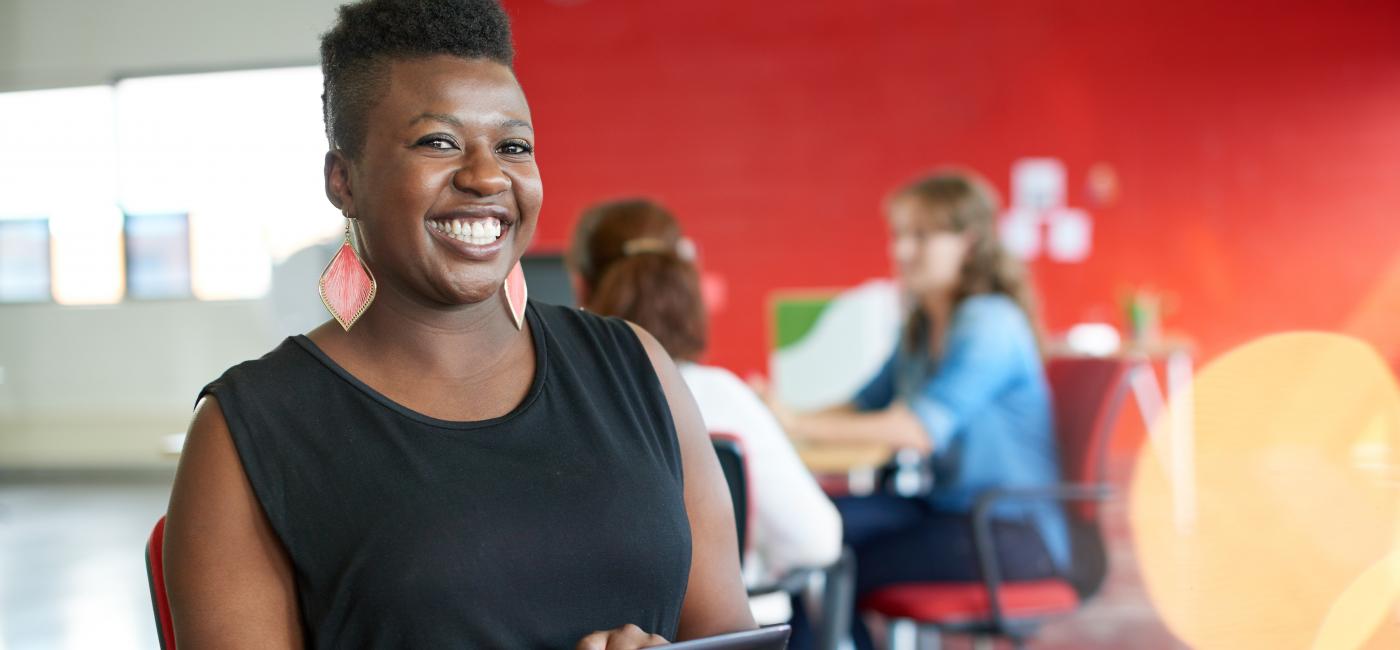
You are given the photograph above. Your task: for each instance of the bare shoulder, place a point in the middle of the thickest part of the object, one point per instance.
(715, 600)
(690, 426)
(658, 355)
(216, 530)
(208, 460)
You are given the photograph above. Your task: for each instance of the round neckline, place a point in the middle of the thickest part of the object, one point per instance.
(537, 329)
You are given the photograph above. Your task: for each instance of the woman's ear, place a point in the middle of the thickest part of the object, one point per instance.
(337, 174)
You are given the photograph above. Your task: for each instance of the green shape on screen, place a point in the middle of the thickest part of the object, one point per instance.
(794, 318)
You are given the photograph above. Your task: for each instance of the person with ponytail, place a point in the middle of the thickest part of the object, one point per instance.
(628, 259)
(966, 387)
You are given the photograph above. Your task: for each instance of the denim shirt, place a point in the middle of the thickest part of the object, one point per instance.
(986, 407)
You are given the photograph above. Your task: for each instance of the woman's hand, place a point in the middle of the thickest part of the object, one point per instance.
(759, 384)
(786, 418)
(627, 637)
(896, 425)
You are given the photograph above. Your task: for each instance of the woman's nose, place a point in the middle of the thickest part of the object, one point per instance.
(902, 249)
(481, 174)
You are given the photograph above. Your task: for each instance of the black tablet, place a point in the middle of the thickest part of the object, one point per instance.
(767, 638)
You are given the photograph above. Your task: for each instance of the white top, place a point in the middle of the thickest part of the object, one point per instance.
(792, 522)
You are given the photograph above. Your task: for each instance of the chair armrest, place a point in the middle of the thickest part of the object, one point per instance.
(985, 546)
(831, 624)
(792, 582)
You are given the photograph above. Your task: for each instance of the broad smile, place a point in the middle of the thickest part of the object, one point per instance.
(477, 234)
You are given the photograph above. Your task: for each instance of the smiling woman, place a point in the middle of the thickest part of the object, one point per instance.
(435, 472)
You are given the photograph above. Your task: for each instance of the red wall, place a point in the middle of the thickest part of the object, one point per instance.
(1257, 144)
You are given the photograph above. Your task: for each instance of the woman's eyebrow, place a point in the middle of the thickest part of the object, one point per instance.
(452, 120)
(438, 117)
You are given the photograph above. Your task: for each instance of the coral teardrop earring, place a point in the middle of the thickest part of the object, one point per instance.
(347, 287)
(516, 294)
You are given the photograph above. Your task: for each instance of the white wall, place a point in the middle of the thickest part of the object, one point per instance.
(54, 43)
(100, 386)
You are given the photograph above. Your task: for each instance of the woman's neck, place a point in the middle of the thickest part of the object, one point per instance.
(400, 335)
(937, 306)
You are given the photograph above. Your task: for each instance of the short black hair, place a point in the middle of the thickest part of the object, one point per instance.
(356, 52)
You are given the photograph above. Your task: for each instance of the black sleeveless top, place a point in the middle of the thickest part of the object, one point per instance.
(530, 530)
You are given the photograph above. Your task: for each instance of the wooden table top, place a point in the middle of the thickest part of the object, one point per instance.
(842, 458)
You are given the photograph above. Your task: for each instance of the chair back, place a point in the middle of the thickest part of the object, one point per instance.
(155, 578)
(731, 459)
(1088, 393)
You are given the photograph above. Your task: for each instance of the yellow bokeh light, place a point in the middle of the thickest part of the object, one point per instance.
(1297, 490)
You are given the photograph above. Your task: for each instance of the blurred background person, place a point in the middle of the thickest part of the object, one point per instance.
(966, 386)
(629, 259)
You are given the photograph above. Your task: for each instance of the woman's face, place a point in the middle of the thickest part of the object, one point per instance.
(927, 254)
(446, 187)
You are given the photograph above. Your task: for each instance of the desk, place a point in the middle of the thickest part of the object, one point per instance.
(841, 458)
(1168, 416)
(846, 467)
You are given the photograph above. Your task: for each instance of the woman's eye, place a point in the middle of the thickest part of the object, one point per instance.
(437, 142)
(516, 148)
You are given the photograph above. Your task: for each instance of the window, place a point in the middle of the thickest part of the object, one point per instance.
(242, 154)
(157, 256)
(24, 260)
(161, 187)
(58, 158)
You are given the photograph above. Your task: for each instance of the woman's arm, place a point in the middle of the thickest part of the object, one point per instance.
(989, 345)
(715, 600)
(872, 416)
(894, 425)
(228, 576)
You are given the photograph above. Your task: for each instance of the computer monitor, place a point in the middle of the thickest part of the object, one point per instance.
(548, 279)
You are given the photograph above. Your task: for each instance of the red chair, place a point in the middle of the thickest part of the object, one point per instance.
(155, 577)
(1087, 395)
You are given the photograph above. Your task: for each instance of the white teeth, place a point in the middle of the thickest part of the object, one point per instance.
(476, 233)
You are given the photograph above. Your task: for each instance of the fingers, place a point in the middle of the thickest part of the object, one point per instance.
(594, 641)
(627, 637)
(765, 393)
